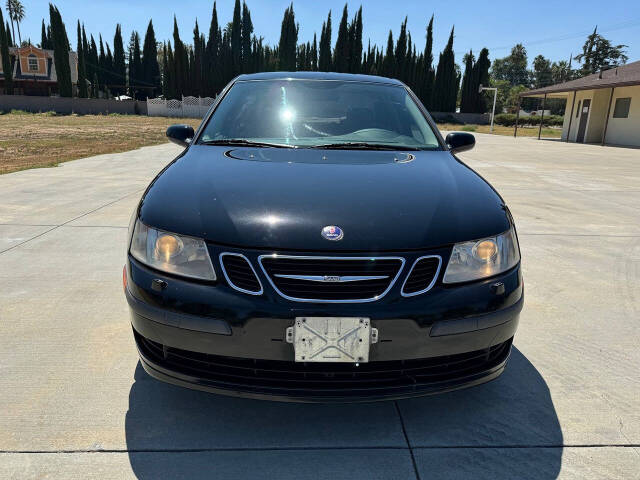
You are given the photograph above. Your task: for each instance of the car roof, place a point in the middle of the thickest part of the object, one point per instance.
(348, 77)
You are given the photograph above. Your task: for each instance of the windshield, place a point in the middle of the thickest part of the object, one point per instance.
(320, 113)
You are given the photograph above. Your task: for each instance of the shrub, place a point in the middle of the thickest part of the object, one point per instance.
(555, 120)
(509, 120)
(505, 119)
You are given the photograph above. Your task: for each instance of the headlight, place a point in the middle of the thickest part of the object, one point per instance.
(171, 253)
(482, 258)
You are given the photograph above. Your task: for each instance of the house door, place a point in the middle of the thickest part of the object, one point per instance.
(584, 115)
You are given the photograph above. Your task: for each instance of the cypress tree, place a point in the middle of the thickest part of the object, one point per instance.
(150, 69)
(7, 31)
(247, 31)
(445, 90)
(364, 67)
(428, 72)
(301, 54)
(189, 88)
(165, 71)
(202, 47)
(61, 52)
(212, 75)
(196, 64)
(44, 41)
(180, 63)
(135, 67)
(410, 65)
(411, 61)
(257, 64)
(82, 73)
(342, 51)
(95, 87)
(456, 86)
(355, 54)
(309, 57)
(401, 52)
(6, 59)
(88, 66)
(108, 74)
(481, 77)
(170, 73)
(314, 54)
(288, 41)
(225, 60)
(467, 94)
(119, 64)
(324, 60)
(102, 65)
(389, 63)
(369, 64)
(131, 68)
(236, 39)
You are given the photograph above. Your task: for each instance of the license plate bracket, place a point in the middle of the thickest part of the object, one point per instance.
(332, 339)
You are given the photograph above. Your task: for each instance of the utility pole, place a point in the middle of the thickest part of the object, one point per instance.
(495, 95)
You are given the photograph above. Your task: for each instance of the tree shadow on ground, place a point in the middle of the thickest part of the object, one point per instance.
(507, 429)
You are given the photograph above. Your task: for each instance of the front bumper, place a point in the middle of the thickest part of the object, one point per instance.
(216, 339)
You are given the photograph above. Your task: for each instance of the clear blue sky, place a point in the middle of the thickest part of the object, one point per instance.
(554, 29)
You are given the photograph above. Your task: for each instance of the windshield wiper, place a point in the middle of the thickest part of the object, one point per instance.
(243, 142)
(363, 146)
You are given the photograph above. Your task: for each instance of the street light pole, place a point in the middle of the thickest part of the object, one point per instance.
(495, 95)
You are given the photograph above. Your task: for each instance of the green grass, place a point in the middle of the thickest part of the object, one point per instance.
(523, 131)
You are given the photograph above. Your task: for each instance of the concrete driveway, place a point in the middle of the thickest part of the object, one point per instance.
(75, 403)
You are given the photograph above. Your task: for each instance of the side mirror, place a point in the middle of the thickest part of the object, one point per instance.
(460, 142)
(180, 134)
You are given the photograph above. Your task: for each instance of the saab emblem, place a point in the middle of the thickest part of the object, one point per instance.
(333, 233)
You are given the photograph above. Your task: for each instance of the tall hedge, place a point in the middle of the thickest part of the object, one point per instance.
(6, 59)
(60, 52)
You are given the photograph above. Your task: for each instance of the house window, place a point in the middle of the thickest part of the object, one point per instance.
(578, 111)
(33, 63)
(621, 109)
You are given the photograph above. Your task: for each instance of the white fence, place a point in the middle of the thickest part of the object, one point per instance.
(194, 107)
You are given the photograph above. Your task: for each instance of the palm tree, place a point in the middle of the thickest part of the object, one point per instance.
(16, 14)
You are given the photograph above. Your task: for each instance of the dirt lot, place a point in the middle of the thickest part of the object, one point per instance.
(43, 140)
(30, 140)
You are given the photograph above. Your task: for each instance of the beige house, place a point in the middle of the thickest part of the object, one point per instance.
(34, 71)
(602, 108)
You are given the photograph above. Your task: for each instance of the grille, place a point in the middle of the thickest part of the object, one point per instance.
(423, 275)
(276, 377)
(240, 273)
(331, 279)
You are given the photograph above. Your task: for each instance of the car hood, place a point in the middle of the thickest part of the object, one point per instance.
(274, 198)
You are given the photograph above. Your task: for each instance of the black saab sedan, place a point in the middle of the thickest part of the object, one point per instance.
(318, 240)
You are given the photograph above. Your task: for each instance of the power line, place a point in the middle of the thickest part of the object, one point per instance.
(569, 36)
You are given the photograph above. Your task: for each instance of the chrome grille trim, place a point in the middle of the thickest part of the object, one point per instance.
(341, 279)
(433, 282)
(314, 257)
(231, 284)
